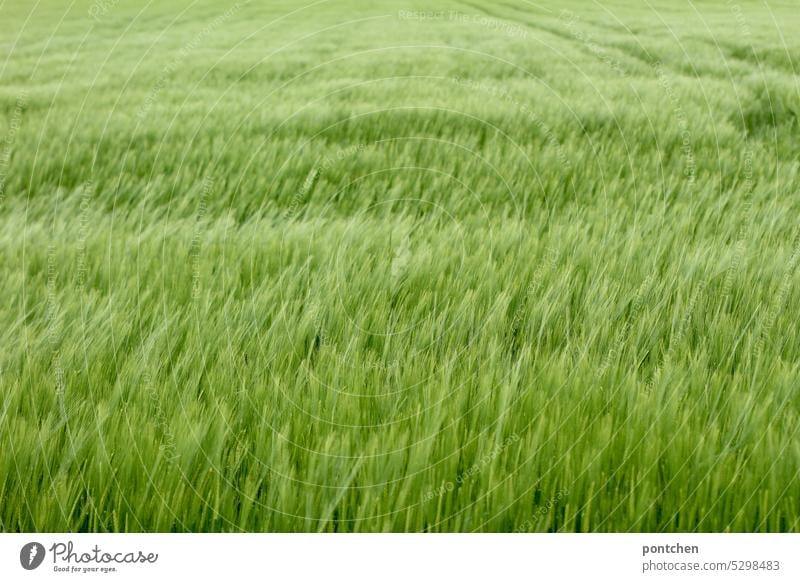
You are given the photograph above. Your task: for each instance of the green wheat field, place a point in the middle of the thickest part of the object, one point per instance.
(396, 267)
